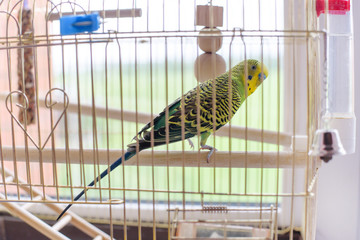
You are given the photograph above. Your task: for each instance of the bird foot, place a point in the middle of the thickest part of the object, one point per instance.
(207, 147)
(190, 143)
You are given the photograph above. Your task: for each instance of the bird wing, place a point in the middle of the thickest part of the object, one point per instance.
(185, 109)
(158, 126)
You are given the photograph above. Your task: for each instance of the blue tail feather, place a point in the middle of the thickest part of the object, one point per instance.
(118, 162)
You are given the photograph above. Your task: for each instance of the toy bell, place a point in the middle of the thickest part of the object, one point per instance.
(327, 144)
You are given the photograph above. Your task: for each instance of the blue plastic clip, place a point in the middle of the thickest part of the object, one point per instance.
(79, 24)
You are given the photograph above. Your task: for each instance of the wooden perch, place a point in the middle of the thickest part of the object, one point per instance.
(163, 158)
(251, 134)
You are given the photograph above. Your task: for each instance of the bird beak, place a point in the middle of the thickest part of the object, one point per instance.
(263, 75)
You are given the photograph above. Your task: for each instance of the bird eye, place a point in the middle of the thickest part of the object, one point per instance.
(253, 67)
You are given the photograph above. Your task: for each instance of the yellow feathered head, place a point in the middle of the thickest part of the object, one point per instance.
(255, 73)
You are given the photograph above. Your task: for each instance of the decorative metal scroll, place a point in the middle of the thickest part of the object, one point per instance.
(48, 104)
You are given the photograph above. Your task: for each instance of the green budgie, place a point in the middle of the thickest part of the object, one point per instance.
(244, 83)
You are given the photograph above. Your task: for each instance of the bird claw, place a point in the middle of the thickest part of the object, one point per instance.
(190, 143)
(212, 149)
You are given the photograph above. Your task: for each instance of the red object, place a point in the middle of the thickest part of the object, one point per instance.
(339, 7)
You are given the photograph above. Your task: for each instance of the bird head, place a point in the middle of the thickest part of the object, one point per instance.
(256, 73)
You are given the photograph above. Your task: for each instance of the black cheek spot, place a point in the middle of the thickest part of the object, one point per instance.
(249, 77)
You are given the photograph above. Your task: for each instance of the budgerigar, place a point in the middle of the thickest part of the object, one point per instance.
(245, 78)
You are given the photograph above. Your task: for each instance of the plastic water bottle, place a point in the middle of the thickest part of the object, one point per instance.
(340, 75)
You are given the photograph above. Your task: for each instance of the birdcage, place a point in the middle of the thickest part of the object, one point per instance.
(80, 79)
